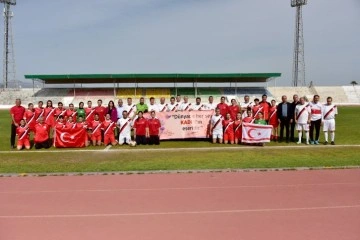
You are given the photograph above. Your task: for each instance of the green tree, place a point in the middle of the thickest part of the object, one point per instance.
(354, 83)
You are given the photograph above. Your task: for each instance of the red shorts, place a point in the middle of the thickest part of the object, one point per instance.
(229, 136)
(23, 142)
(96, 138)
(238, 135)
(109, 139)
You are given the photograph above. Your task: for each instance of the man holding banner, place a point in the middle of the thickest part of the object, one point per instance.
(216, 126)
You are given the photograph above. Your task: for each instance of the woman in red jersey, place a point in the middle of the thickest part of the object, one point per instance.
(238, 128)
(140, 126)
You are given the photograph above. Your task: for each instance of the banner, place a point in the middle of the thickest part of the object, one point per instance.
(256, 133)
(70, 138)
(187, 124)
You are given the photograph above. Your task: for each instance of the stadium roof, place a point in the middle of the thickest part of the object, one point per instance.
(155, 78)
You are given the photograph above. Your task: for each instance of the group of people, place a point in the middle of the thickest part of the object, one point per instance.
(115, 123)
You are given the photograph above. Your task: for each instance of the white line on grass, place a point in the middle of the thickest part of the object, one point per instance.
(234, 211)
(107, 148)
(179, 188)
(199, 149)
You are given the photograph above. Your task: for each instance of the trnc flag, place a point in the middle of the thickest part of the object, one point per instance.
(256, 133)
(70, 138)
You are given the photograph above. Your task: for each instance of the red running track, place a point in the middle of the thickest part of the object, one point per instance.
(243, 205)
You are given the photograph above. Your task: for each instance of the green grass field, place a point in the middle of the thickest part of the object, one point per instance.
(211, 157)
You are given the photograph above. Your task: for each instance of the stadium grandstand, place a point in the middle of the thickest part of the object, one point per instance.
(74, 88)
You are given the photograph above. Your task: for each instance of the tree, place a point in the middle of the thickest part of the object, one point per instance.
(354, 83)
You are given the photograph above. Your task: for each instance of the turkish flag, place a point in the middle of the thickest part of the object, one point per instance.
(256, 133)
(70, 138)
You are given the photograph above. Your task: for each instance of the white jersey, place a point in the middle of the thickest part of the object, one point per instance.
(198, 107)
(245, 105)
(125, 126)
(216, 120)
(316, 111)
(302, 113)
(329, 111)
(153, 107)
(131, 110)
(162, 107)
(210, 106)
(173, 107)
(185, 106)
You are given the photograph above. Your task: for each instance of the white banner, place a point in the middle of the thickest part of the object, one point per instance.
(256, 133)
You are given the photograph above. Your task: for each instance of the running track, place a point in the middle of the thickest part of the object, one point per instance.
(322, 204)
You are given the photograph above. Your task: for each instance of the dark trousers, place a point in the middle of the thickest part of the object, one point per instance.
(13, 135)
(154, 139)
(46, 144)
(315, 124)
(292, 131)
(140, 139)
(285, 123)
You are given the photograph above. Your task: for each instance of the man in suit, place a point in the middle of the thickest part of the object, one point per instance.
(284, 117)
(295, 102)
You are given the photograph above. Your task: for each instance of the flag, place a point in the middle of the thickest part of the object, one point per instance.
(256, 133)
(70, 138)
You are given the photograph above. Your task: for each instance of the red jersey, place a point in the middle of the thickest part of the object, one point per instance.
(154, 125)
(49, 116)
(248, 120)
(59, 125)
(237, 128)
(96, 128)
(233, 110)
(109, 127)
(29, 117)
(69, 125)
(71, 113)
(140, 125)
(18, 112)
(60, 112)
(41, 132)
(255, 111)
(224, 109)
(79, 125)
(39, 112)
(89, 113)
(22, 132)
(265, 109)
(101, 111)
(228, 126)
(273, 116)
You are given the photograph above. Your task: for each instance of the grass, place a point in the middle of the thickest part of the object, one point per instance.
(230, 158)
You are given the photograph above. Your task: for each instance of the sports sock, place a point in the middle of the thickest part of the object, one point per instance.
(326, 136)
(307, 136)
(332, 135)
(300, 135)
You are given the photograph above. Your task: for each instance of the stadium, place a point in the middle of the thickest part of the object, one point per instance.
(186, 187)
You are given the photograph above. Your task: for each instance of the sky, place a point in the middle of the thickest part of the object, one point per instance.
(186, 36)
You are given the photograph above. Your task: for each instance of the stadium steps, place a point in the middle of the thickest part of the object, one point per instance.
(157, 92)
(130, 92)
(352, 93)
(336, 92)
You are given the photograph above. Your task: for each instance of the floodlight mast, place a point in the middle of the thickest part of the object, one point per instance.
(9, 58)
(299, 60)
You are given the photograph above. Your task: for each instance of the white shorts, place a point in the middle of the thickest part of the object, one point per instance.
(329, 125)
(217, 134)
(124, 138)
(302, 126)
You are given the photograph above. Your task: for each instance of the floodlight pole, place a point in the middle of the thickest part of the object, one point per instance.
(8, 42)
(299, 60)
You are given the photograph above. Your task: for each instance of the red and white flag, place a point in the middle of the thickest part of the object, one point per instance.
(70, 138)
(256, 133)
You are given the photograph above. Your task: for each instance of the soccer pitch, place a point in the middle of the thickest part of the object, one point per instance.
(185, 155)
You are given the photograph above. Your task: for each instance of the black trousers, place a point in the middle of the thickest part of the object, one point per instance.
(285, 123)
(154, 139)
(292, 131)
(13, 135)
(315, 124)
(46, 144)
(140, 139)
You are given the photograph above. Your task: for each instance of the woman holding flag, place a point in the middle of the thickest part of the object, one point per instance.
(237, 128)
